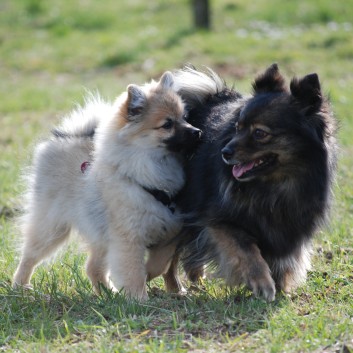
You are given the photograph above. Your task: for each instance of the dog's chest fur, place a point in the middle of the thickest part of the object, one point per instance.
(132, 210)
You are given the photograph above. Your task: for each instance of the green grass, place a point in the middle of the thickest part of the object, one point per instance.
(51, 52)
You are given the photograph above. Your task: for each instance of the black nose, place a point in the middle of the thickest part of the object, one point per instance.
(227, 153)
(196, 133)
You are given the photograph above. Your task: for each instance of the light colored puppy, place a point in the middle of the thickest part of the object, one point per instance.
(110, 172)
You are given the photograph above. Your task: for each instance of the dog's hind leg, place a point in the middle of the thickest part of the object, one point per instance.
(196, 274)
(97, 268)
(163, 260)
(127, 266)
(40, 241)
(171, 278)
(159, 259)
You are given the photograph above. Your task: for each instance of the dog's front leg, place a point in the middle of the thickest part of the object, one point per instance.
(240, 261)
(126, 265)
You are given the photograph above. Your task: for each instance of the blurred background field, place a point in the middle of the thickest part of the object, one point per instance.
(52, 52)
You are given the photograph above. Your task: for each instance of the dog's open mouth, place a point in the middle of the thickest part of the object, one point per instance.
(245, 170)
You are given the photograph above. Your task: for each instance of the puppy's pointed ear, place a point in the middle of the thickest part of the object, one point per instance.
(270, 81)
(307, 92)
(167, 80)
(136, 101)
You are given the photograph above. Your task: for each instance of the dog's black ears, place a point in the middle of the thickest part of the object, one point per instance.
(136, 101)
(307, 92)
(270, 81)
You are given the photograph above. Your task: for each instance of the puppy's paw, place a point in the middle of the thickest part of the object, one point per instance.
(139, 294)
(26, 287)
(142, 298)
(263, 286)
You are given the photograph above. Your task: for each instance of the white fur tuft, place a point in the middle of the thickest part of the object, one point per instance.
(195, 86)
(84, 119)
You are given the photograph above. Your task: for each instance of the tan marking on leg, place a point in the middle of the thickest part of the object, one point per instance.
(242, 265)
(171, 278)
(196, 274)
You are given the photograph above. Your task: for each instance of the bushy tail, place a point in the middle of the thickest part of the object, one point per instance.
(196, 86)
(83, 121)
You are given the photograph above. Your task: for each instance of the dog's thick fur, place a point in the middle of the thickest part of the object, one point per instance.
(259, 185)
(130, 163)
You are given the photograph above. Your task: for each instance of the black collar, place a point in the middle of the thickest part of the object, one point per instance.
(161, 196)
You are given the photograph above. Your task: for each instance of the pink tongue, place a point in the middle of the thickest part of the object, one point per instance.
(239, 170)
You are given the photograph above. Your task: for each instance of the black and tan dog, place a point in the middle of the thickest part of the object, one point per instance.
(259, 185)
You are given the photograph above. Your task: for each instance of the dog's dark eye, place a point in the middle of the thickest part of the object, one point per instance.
(168, 124)
(259, 134)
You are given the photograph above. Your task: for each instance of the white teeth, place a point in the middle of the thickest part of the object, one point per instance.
(260, 161)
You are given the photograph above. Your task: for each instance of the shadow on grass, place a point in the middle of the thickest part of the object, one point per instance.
(46, 312)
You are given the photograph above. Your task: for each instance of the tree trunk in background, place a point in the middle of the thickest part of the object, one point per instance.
(201, 12)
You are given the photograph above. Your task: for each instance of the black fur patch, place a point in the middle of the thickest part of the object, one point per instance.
(63, 135)
(184, 140)
(162, 197)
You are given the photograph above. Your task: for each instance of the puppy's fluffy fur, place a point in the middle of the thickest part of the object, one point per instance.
(259, 185)
(128, 152)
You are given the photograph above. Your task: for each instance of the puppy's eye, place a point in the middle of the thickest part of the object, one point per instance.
(168, 124)
(259, 134)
